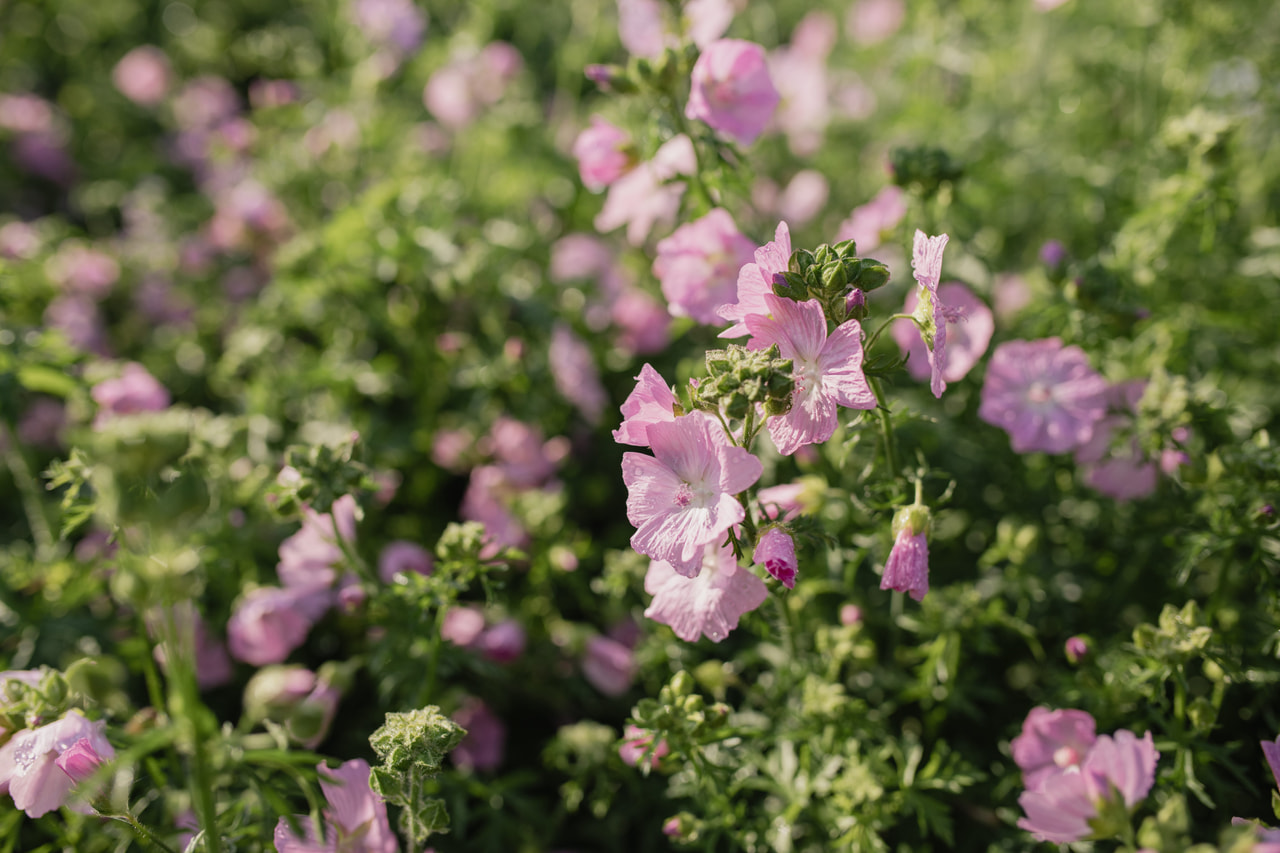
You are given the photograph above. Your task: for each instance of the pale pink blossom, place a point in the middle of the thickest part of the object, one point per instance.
(609, 665)
(472, 82)
(580, 256)
(1123, 472)
(652, 401)
(1051, 743)
(523, 457)
(1045, 395)
(80, 321)
(706, 20)
(681, 499)
(574, 371)
(755, 282)
(644, 325)
(872, 21)
(604, 153)
(1048, 5)
(827, 369)
(783, 500)
(1011, 295)
(142, 75)
(969, 329)
(183, 628)
(868, 224)
(649, 193)
(641, 27)
(134, 391)
(310, 558)
(25, 114)
(708, 604)
(18, 241)
(397, 25)
(732, 91)
(486, 501)
(698, 264)
(29, 768)
(204, 103)
(269, 622)
(82, 270)
(800, 72)
(356, 817)
(930, 314)
(484, 745)
(776, 551)
(310, 720)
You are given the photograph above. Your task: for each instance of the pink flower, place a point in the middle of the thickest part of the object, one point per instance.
(80, 760)
(930, 316)
(457, 93)
(80, 321)
(525, 460)
(134, 391)
(395, 24)
(1045, 395)
(969, 328)
(776, 551)
(83, 271)
(698, 263)
(29, 767)
(805, 196)
(1011, 295)
(42, 423)
(356, 817)
(309, 721)
(190, 634)
(651, 402)
(604, 153)
(462, 626)
(732, 91)
(485, 743)
(269, 622)
(648, 194)
(1076, 648)
(485, 501)
(1271, 750)
(907, 569)
(504, 642)
(706, 20)
(681, 499)
(708, 604)
(641, 27)
(755, 282)
(18, 240)
(872, 21)
(637, 745)
(309, 559)
(1125, 472)
(25, 114)
(1051, 743)
(608, 665)
(867, 225)
(1061, 809)
(575, 373)
(827, 370)
(402, 557)
(142, 75)
(643, 322)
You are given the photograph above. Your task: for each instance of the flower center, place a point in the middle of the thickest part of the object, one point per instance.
(684, 495)
(1039, 393)
(1066, 756)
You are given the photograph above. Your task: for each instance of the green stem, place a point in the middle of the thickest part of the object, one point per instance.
(144, 834)
(30, 493)
(871, 341)
(886, 426)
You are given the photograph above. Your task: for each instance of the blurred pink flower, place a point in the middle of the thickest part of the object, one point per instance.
(651, 402)
(204, 103)
(29, 768)
(732, 91)
(708, 604)
(641, 27)
(45, 154)
(25, 114)
(402, 557)
(1051, 743)
(265, 94)
(135, 390)
(648, 194)
(580, 256)
(706, 20)
(1045, 395)
(1271, 751)
(449, 447)
(83, 271)
(462, 626)
(42, 423)
(80, 321)
(504, 642)
(776, 551)
(191, 635)
(484, 746)
(608, 665)
(576, 376)
(872, 21)
(356, 816)
(805, 196)
(681, 499)
(1124, 472)
(643, 322)
(18, 241)
(472, 81)
(485, 501)
(310, 558)
(755, 282)
(827, 369)
(800, 72)
(969, 329)
(398, 25)
(1048, 5)
(604, 153)
(142, 75)
(698, 264)
(525, 459)
(1011, 295)
(268, 623)
(637, 745)
(867, 225)
(782, 500)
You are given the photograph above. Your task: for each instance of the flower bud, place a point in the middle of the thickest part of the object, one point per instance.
(1077, 648)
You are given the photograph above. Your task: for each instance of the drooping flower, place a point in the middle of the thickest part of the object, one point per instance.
(969, 326)
(681, 499)
(1052, 742)
(776, 551)
(604, 153)
(930, 316)
(868, 223)
(732, 91)
(755, 281)
(907, 569)
(827, 369)
(29, 762)
(356, 817)
(609, 665)
(709, 604)
(1045, 395)
(1060, 810)
(698, 264)
(649, 193)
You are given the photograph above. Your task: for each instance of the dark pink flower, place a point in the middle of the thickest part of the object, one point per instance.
(681, 499)
(604, 153)
(504, 642)
(356, 816)
(732, 91)
(907, 569)
(708, 604)
(402, 557)
(135, 390)
(608, 665)
(484, 746)
(1045, 395)
(1052, 742)
(776, 551)
(80, 760)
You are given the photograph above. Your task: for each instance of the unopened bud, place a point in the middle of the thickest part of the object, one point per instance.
(1077, 648)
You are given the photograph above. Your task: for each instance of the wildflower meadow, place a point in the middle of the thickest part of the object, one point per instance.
(639, 425)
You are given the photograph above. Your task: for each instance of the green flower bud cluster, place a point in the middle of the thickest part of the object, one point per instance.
(681, 717)
(28, 706)
(924, 168)
(740, 378)
(1178, 637)
(412, 746)
(831, 275)
(319, 474)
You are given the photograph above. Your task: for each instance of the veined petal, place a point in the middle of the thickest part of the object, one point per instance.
(739, 470)
(803, 323)
(686, 447)
(651, 486)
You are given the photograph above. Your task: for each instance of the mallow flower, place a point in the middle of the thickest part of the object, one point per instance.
(652, 401)
(681, 499)
(930, 314)
(969, 326)
(755, 282)
(1052, 742)
(708, 604)
(827, 369)
(604, 153)
(907, 569)
(39, 767)
(698, 264)
(732, 91)
(776, 551)
(356, 819)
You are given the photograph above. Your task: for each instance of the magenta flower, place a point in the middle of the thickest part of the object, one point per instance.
(681, 499)
(827, 370)
(699, 263)
(576, 376)
(309, 559)
(504, 642)
(402, 557)
(1076, 649)
(776, 551)
(142, 75)
(755, 282)
(485, 743)
(356, 817)
(1061, 809)
(1051, 743)
(29, 768)
(969, 325)
(604, 153)
(609, 665)
(708, 604)
(907, 569)
(1045, 395)
(1271, 750)
(868, 223)
(136, 390)
(732, 91)
(649, 193)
